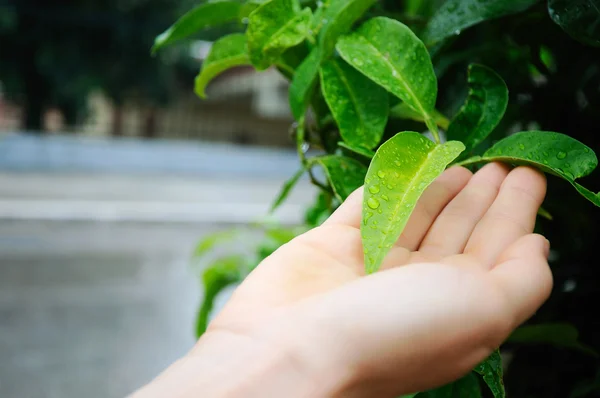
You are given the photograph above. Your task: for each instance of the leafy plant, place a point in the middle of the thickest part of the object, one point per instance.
(358, 69)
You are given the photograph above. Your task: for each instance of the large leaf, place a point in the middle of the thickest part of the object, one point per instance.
(390, 54)
(286, 189)
(274, 27)
(556, 334)
(492, 372)
(337, 18)
(456, 15)
(359, 106)
(202, 17)
(303, 84)
(399, 173)
(344, 174)
(554, 153)
(467, 387)
(227, 52)
(483, 110)
(579, 18)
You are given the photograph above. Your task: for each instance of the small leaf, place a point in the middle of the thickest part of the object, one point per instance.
(337, 18)
(286, 189)
(202, 17)
(359, 151)
(579, 18)
(210, 241)
(492, 372)
(556, 334)
(401, 170)
(274, 27)
(467, 387)
(227, 52)
(304, 82)
(456, 15)
(359, 106)
(483, 110)
(402, 65)
(224, 272)
(344, 174)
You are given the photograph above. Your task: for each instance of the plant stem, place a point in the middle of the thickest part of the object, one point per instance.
(434, 130)
(300, 141)
(470, 161)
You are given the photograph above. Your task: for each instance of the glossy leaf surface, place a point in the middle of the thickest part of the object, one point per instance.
(337, 18)
(227, 52)
(202, 17)
(357, 150)
(579, 18)
(492, 372)
(403, 167)
(358, 105)
(344, 174)
(274, 27)
(483, 110)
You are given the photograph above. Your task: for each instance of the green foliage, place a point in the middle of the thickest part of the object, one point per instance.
(286, 189)
(579, 18)
(359, 73)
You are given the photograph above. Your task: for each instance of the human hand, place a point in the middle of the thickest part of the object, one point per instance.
(466, 271)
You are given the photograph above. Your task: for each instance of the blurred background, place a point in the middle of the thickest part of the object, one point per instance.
(111, 171)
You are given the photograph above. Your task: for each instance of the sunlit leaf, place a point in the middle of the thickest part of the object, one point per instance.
(400, 65)
(344, 174)
(493, 374)
(286, 189)
(403, 167)
(455, 15)
(202, 17)
(274, 27)
(359, 106)
(579, 18)
(483, 110)
(467, 387)
(556, 334)
(337, 18)
(225, 53)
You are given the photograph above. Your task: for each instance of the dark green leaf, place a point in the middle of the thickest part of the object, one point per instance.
(199, 18)
(360, 151)
(403, 167)
(224, 272)
(304, 82)
(403, 111)
(467, 387)
(359, 106)
(274, 27)
(344, 174)
(402, 65)
(337, 18)
(492, 372)
(286, 189)
(557, 334)
(456, 15)
(225, 53)
(579, 18)
(483, 110)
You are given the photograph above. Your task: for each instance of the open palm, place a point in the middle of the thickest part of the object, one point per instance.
(466, 271)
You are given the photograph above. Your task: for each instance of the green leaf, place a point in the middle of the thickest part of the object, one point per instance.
(483, 110)
(456, 15)
(579, 18)
(304, 82)
(274, 27)
(359, 106)
(403, 111)
(202, 17)
(210, 241)
(403, 167)
(224, 272)
(286, 189)
(467, 387)
(400, 65)
(367, 153)
(227, 52)
(492, 372)
(344, 174)
(554, 153)
(556, 334)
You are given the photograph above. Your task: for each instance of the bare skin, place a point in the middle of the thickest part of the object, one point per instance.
(309, 323)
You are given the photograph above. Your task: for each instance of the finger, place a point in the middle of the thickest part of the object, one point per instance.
(511, 216)
(431, 203)
(450, 232)
(524, 276)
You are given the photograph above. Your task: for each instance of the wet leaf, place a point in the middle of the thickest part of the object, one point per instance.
(403, 111)
(344, 174)
(286, 189)
(202, 17)
(337, 18)
(403, 167)
(483, 110)
(359, 151)
(456, 15)
(579, 18)
(225, 53)
(304, 82)
(402, 65)
(553, 153)
(274, 27)
(467, 387)
(358, 105)
(556, 334)
(492, 372)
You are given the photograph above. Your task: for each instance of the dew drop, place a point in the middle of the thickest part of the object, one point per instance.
(374, 189)
(586, 150)
(561, 155)
(385, 197)
(381, 174)
(373, 203)
(522, 147)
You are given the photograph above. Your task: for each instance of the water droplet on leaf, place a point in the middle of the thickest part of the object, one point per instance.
(374, 189)
(381, 174)
(373, 203)
(561, 155)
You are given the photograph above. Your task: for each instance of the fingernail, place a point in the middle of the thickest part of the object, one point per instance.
(546, 247)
